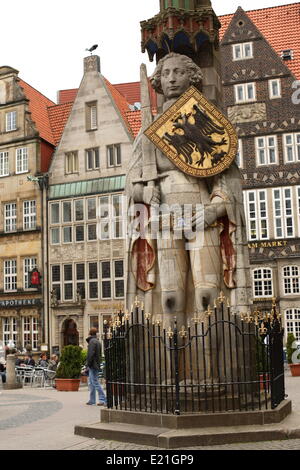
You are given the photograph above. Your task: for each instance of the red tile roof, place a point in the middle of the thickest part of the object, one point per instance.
(38, 105)
(131, 91)
(134, 120)
(121, 103)
(58, 116)
(66, 96)
(280, 26)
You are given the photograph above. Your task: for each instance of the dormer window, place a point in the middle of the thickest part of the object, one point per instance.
(11, 121)
(287, 54)
(242, 51)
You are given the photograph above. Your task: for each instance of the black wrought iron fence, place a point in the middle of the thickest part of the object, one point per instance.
(222, 361)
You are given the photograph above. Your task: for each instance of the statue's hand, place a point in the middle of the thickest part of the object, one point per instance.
(151, 195)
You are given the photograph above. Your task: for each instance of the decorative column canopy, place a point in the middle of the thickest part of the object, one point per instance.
(182, 26)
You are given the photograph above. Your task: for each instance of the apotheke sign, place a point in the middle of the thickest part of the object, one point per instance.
(19, 303)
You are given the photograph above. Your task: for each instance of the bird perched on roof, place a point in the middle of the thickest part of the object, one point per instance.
(91, 49)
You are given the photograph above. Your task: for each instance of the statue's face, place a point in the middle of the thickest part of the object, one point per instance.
(175, 78)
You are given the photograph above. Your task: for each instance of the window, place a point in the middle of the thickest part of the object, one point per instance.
(67, 212)
(10, 217)
(119, 278)
(10, 332)
(91, 116)
(79, 233)
(257, 214)
(287, 54)
(54, 213)
(111, 217)
(94, 321)
(79, 210)
(80, 280)
(67, 234)
(106, 280)
(242, 51)
(266, 150)
(4, 165)
(55, 236)
(113, 155)
(55, 280)
(29, 265)
(11, 121)
(291, 147)
(29, 215)
(291, 280)
(274, 88)
(21, 160)
(245, 92)
(92, 232)
(292, 322)
(91, 208)
(92, 159)
(93, 280)
(262, 282)
(30, 332)
(68, 282)
(71, 162)
(239, 155)
(283, 213)
(10, 275)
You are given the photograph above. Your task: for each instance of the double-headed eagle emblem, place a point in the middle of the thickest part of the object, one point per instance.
(195, 135)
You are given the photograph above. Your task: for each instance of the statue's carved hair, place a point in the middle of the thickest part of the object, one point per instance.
(195, 72)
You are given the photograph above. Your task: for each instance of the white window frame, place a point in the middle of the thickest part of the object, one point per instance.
(291, 280)
(283, 212)
(11, 121)
(4, 164)
(118, 278)
(239, 154)
(266, 282)
(71, 163)
(21, 160)
(292, 322)
(10, 275)
(29, 215)
(95, 157)
(30, 331)
(245, 92)
(79, 281)
(10, 330)
(67, 282)
(257, 214)
(266, 149)
(56, 283)
(293, 146)
(10, 217)
(242, 47)
(106, 280)
(93, 280)
(270, 83)
(29, 264)
(114, 155)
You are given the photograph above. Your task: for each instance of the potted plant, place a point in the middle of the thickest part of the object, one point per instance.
(68, 372)
(292, 355)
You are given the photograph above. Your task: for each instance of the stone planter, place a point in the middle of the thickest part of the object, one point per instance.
(295, 370)
(67, 385)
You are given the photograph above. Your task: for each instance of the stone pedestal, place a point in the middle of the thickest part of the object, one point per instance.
(11, 381)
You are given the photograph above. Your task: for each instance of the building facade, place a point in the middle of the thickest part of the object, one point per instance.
(258, 87)
(85, 211)
(25, 149)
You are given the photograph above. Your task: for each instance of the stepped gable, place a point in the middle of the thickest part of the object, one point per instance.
(280, 26)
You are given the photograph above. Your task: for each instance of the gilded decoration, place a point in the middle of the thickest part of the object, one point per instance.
(195, 136)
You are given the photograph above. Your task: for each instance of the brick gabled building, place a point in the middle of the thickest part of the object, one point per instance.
(258, 97)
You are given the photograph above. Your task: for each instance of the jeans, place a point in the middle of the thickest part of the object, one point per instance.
(3, 376)
(95, 385)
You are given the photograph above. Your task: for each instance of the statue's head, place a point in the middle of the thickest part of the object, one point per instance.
(174, 74)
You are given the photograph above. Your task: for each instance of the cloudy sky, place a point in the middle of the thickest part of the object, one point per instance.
(46, 41)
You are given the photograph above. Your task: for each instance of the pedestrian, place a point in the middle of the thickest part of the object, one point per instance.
(42, 362)
(53, 363)
(3, 370)
(29, 361)
(93, 364)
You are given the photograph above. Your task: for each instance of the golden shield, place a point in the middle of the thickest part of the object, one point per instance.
(195, 135)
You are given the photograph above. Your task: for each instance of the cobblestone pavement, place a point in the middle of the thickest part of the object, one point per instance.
(35, 419)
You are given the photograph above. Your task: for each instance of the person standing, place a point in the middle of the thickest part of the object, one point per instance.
(93, 364)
